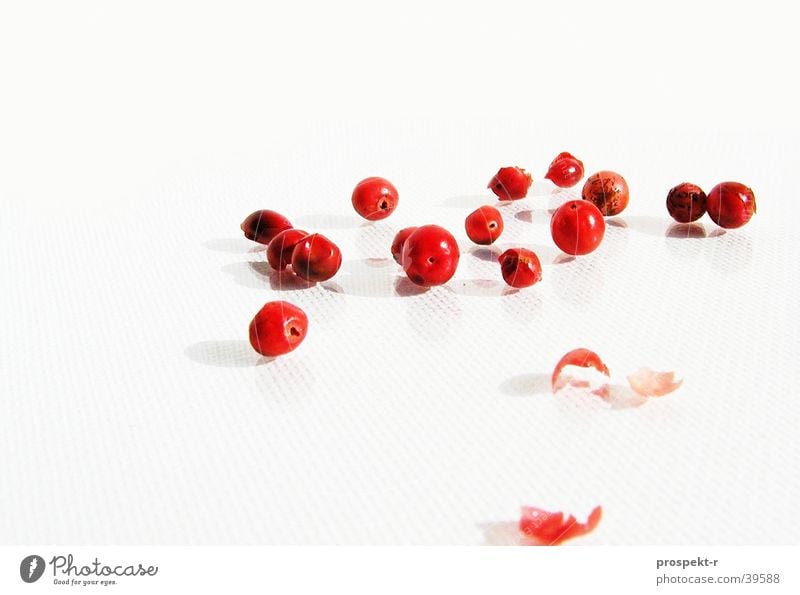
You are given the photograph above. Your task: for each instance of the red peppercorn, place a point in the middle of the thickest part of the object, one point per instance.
(520, 267)
(375, 198)
(565, 170)
(731, 204)
(577, 227)
(278, 328)
(608, 191)
(686, 202)
(279, 250)
(484, 225)
(510, 183)
(262, 226)
(430, 256)
(316, 258)
(399, 241)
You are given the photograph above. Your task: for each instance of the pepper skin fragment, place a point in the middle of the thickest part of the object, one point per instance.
(551, 528)
(583, 358)
(650, 383)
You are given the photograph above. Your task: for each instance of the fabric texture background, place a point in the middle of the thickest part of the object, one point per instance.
(133, 142)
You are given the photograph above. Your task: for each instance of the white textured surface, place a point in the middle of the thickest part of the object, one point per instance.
(132, 410)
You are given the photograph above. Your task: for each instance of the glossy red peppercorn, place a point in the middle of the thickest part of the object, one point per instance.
(686, 202)
(520, 267)
(510, 183)
(399, 241)
(262, 226)
(430, 256)
(577, 227)
(484, 225)
(731, 204)
(316, 258)
(279, 250)
(278, 328)
(375, 198)
(565, 170)
(608, 191)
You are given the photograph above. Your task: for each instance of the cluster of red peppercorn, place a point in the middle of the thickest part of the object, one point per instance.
(313, 257)
(729, 204)
(577, 227)
(279, 326)
(429, 254)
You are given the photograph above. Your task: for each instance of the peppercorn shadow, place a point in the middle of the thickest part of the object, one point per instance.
(259, 275)
(372, 277)
(505, 533)
(729, 253)
(231, 245)
(480, 288)
(624, 397)
(325, 221)
(546, 254)
(536, 384)
(525, 385)
(225, 354)
(563, 259)
(540, 188)
(687, 231)
(646, 224)
(485, 254)
(469, 201)
(364, 287)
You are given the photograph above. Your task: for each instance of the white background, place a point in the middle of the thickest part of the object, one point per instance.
(135, 138)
